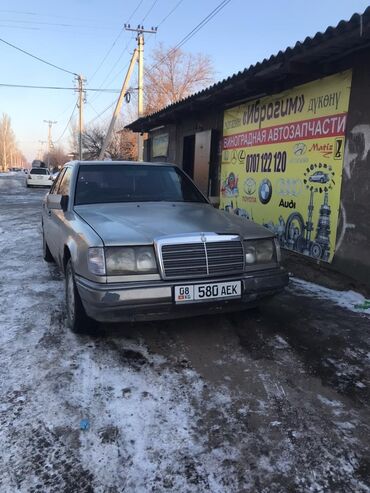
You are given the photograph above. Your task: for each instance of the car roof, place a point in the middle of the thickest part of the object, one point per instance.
(97, 162)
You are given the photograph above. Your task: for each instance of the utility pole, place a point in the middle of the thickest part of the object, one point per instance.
(140, 45)
(50, 123)
(39, 153)
(119, 103)
(81, 101)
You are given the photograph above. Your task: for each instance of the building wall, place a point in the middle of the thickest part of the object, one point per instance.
(353, 239)
(352, 257)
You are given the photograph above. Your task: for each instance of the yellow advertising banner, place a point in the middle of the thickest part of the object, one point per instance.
(282, 159)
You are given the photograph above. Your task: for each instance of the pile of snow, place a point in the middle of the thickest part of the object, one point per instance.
(350, 300)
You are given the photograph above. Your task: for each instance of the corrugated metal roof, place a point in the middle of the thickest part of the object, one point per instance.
(348, 35)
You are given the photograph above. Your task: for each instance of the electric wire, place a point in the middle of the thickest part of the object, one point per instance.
(193, 32)
(150, 9)
(37, 58)
(102, 113)
(127, 45)
(69, 121)
(27, 86)
(107, 54)
(170, 12)
(59, 24)
(134, 12)
(186, 38)
(115, 41)
(68, 109)
(114, 65)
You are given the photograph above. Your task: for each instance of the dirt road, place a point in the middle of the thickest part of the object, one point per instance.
(270, 400)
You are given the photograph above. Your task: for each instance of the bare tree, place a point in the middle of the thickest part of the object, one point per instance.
(127, 144)
(10, 155)
(173, 75)
(56, 158)
(121, 146)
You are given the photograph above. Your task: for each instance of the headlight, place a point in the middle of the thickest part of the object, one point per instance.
(96, 261)
(127, 261)
(259, 252)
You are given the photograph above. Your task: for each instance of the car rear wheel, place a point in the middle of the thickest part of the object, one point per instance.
(77, 319)
(47, 256)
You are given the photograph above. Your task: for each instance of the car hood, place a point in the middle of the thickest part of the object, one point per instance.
(142, 223)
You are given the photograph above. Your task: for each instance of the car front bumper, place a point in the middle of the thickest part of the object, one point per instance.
(154, 300)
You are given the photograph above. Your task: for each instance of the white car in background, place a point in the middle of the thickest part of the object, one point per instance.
(39, 177)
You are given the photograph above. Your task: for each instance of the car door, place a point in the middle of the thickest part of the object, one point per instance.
(56, 217)
(46, 213)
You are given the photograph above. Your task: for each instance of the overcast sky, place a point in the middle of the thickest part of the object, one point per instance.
(77, 34)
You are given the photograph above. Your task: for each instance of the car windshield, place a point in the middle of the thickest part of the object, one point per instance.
(109, 183)
(39, 171)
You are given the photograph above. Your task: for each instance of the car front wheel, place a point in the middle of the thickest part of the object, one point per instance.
(77, 319)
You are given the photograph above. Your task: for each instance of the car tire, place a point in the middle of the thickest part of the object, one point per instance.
(77, 319)
(46, 254)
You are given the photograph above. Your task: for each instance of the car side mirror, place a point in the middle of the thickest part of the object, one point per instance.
(215, 201)
(57, 202)
(64, 202)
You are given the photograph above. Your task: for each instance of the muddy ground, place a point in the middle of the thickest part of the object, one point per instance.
(271, 400)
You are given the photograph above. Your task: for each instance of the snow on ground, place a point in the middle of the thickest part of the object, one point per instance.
(350, 300)
(140, 415)
(207, 405)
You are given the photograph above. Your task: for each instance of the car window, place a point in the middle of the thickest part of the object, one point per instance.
(63, 188)
(39, 171)
(134, 183)
(55, 185)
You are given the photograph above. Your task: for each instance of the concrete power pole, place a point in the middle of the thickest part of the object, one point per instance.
(50, 123)
(119, 104)
(81, 101)
(140, 45)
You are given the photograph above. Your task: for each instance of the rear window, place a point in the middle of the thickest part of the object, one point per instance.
(133, 183)
(38, 171)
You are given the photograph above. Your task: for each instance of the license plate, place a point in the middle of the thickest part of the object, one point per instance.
(210, 291)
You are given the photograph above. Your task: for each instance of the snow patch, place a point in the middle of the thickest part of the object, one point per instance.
(346, 299)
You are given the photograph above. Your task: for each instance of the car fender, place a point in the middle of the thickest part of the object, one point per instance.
(80, 236)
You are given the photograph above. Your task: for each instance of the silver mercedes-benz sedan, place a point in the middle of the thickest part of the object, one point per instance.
(139, 241)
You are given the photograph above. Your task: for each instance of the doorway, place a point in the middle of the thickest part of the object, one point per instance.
(188, 155)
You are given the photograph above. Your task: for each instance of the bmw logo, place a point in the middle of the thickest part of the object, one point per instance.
(265, 191)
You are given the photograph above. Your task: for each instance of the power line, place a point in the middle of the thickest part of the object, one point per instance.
(115, 41)
(41, 14)
(69, 121)
(107, 54)
(102, 113)
(194, 31)
(60, 24)
(150, 9)
(161, 22)
(186, 38)
(114, 65)
(134, 12)
(37, 58)
(170, 12)
(26, 86)
(202, 23)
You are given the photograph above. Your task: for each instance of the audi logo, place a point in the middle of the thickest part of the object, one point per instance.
(290, 186)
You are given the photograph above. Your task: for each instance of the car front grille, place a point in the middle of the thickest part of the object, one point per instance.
(202, 259)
